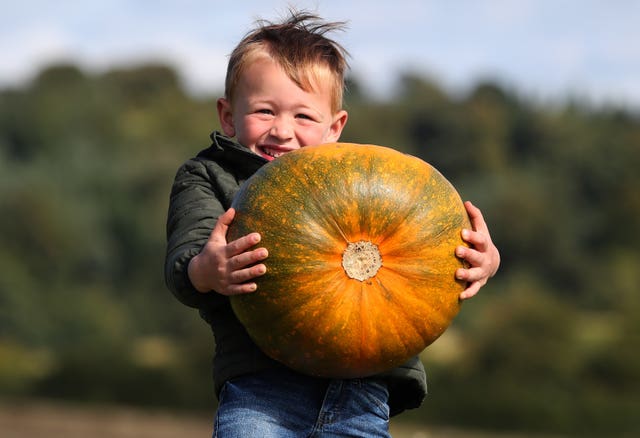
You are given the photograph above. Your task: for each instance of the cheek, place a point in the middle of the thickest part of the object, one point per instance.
(313, 136)
(249, 129)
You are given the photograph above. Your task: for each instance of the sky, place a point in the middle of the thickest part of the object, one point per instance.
(543, 49)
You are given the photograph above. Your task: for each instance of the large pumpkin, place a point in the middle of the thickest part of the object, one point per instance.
(360, 273)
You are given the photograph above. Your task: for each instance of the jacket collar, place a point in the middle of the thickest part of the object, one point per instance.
(224, 148)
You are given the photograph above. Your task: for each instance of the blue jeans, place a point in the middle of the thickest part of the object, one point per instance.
(283, 404)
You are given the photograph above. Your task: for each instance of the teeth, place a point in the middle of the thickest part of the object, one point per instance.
(272, 153)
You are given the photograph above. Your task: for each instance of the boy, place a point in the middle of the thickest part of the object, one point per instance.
(283, 91)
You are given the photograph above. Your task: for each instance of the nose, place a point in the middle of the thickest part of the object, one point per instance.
(281, 129)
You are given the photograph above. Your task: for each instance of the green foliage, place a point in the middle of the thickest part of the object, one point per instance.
(86, 164)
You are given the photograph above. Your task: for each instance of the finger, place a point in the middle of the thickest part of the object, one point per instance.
(472, 275)
(477, 239)
(239, 289)
(470, 291)
(245, 275)
(470, 255)
(247, 258)
(242, 244)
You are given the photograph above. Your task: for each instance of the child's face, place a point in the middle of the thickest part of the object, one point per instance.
(271, 115)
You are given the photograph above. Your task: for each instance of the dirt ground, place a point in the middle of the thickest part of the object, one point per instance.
(40, 419)
(53, 420)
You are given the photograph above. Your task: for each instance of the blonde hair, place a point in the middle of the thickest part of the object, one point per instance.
(299, 46)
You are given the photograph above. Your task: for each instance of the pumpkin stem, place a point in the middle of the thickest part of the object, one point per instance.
(361, 260)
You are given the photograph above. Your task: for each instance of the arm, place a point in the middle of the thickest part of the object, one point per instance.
(483, 256)
(196, 203)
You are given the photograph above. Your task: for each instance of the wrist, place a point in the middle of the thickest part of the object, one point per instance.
(195, 277)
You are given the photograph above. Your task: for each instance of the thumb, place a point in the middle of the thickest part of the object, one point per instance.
(476, 218)
(219, 231)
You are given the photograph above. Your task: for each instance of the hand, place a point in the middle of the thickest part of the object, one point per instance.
(227, 268)
(483, 257)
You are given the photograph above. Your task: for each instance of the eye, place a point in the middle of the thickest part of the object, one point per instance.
(264, 111)
(304, 117)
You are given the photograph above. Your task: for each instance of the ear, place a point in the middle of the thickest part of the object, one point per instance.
(225, 115)
(335, 130)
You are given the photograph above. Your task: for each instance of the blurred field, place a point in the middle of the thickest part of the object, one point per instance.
(39, 419)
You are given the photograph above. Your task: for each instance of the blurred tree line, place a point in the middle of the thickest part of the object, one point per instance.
(550, 344)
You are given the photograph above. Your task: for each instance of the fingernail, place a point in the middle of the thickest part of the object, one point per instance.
(465, 234)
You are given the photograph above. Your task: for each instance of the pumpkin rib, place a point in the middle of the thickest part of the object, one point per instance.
(400, 337)
(408, 312)
(325, 176)
(320, 211)
(390, 235)
(321, 334)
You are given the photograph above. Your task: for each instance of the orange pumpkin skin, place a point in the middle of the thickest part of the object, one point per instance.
(309, 206)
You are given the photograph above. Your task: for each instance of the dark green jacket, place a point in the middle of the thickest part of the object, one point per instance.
(203, 190)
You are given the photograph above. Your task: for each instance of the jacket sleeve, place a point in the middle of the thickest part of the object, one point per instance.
(194, 207)
(407, 386)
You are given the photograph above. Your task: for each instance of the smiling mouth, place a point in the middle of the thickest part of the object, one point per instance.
(273, 153)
